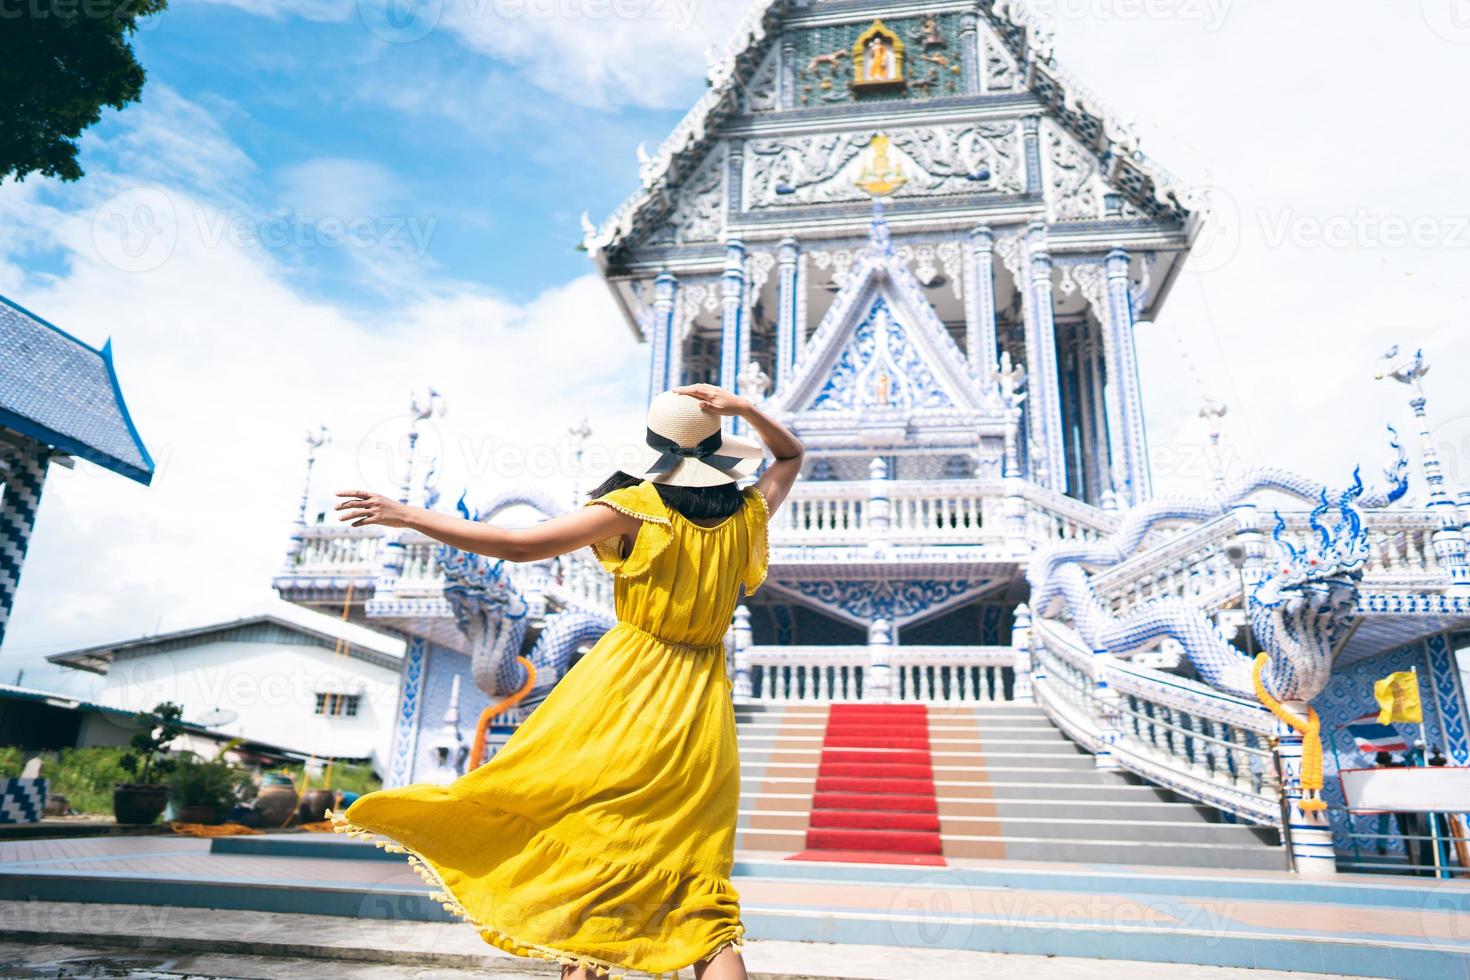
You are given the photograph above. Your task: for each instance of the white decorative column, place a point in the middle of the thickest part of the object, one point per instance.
(1125, 382)
(1023, 663)
(1031, 130)
(1102, 451)
(1106, 713)
(733, 331)
(878, 516)
(661, 340)
(980, 303)
(1311, 835)
(741, 635)
(970, 52)
(1041, 347)
(788, 287)
(23, 470)
(878, 678)
(1449, 540)
(787, 71)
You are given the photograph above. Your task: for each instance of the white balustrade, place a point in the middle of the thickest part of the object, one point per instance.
(421, 574)
(927, 674)
(931, 512)
(1191, 563)
(578, 579)
(1174, 732)
(337, 550)
(952, 675)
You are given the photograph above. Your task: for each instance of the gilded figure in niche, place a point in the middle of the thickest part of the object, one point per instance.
(877, 57)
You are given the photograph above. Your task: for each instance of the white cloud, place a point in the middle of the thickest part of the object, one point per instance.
(592, 52)
(1310, 121)
(1297, 115)
(601, 52)
(318, 10)
(225, 364)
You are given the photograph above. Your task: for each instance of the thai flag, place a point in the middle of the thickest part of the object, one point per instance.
(1372, 737)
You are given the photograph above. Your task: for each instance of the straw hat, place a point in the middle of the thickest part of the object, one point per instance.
(686, 448)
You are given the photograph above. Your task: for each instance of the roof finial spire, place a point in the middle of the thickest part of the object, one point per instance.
(879, 240)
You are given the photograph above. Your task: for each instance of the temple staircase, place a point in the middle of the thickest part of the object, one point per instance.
(932, 785)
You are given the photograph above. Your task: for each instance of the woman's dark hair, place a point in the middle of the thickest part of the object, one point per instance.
(695, 503)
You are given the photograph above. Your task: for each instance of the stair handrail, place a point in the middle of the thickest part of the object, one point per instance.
(1205, 744)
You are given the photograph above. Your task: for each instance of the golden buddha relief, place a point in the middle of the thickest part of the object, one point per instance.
(877, 58)
(881, 173)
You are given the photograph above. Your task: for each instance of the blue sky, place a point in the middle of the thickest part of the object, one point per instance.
(455, 167)
(333, 119)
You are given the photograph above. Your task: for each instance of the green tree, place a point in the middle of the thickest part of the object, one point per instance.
(61, 61)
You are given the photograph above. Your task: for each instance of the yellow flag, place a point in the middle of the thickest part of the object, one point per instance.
(1398, 698)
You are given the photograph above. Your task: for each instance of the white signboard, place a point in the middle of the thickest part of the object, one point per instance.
(1419, 789)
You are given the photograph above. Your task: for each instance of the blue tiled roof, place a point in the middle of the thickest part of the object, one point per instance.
(57, 390)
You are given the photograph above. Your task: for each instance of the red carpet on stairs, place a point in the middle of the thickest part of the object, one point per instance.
(874, 799)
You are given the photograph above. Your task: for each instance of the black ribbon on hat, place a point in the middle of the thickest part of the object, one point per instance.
(706, 451)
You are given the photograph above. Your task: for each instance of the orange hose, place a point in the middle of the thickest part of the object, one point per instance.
(482, 729)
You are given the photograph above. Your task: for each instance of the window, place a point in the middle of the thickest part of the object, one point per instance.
(342, 705)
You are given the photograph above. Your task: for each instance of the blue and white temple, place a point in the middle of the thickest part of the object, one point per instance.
(59, 400)
(906, 230)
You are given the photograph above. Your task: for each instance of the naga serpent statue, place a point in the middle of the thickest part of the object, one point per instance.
(494, 616)
(1299, 611)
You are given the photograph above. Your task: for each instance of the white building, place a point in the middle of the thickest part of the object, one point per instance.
(328, 689)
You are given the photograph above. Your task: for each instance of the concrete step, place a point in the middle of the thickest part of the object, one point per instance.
(933, 922)
(1016, 848)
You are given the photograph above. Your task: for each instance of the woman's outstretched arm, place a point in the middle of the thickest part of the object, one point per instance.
(545, 540)
(781, 441)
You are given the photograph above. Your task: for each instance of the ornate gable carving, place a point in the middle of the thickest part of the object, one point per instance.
(880, 347)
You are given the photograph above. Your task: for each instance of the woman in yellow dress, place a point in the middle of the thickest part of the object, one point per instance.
(602, 834)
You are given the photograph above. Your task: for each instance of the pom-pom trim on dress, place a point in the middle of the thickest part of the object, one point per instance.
(444, 895)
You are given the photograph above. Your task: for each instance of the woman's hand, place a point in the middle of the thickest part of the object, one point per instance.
(717, 400)
(363, 508)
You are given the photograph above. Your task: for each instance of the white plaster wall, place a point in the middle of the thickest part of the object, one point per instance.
(273, 688)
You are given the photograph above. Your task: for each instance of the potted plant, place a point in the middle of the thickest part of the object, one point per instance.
(202, 790)
(147, 759)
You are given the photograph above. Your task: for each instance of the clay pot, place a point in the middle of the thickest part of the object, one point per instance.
(274, 803)
(197, 814)
(138, 802)
(314, 804)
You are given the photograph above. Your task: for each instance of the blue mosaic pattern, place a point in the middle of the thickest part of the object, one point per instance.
(57, 390)
(26, 474)
(894, 601)
(1349, 695)
(1449, 698)
(880, 367)
(22, 800)
(932, 64)
(406, 729)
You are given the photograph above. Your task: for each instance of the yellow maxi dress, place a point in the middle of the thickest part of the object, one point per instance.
(603, 831)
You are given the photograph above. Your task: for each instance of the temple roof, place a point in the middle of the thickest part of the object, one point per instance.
(1147, 185)
(61, 392)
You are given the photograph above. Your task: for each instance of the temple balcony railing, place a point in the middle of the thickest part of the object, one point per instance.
(1176, 733)
(1192, 563)
(917, 674)
(1006, 514)
(332, 558)
(337, 549)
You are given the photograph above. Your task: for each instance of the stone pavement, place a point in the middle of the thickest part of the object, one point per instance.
(271, 945)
